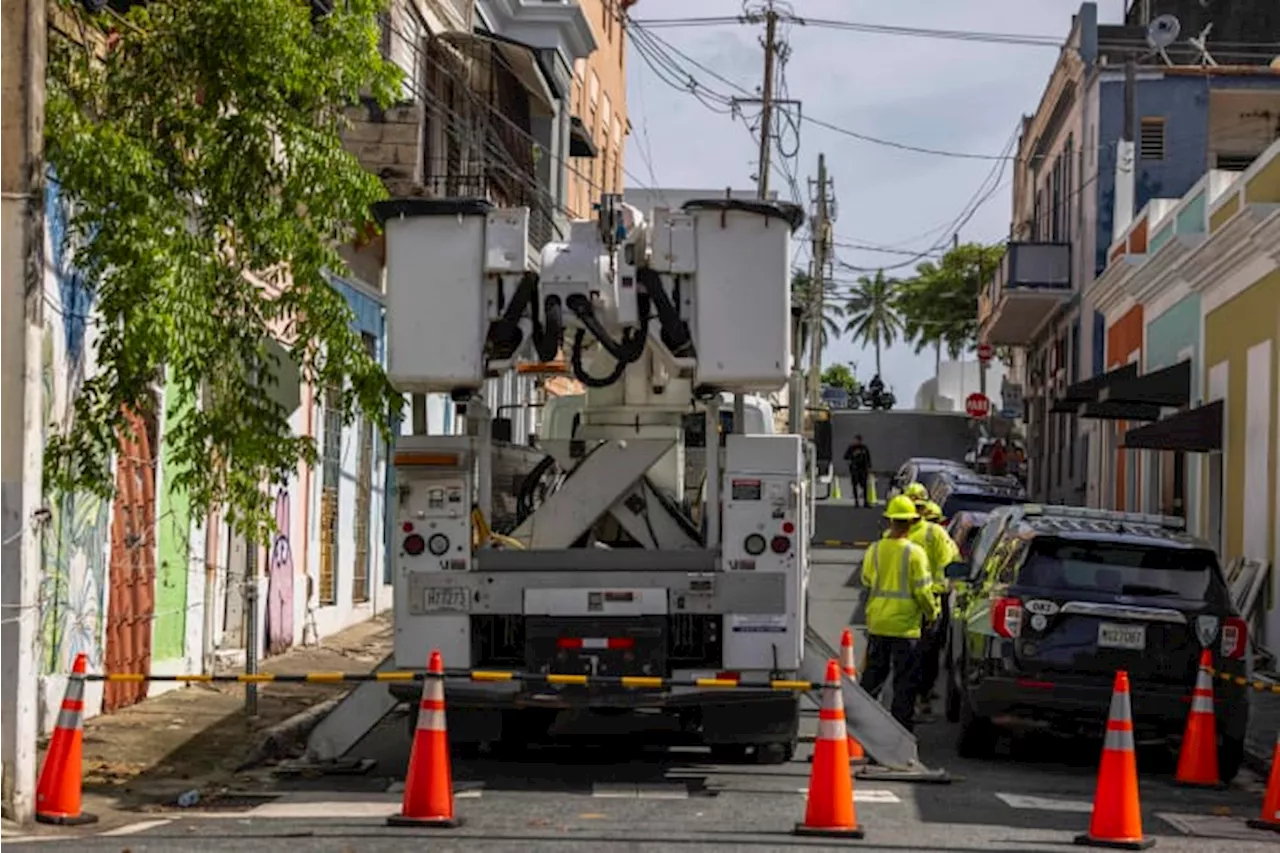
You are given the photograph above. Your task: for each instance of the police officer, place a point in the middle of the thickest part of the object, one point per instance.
(942, 551)
(900, 598)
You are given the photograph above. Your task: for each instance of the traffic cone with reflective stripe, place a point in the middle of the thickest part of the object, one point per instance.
(856, 753)
(1198, 757)
(872, 498)
(1117, 816)
(428, 787)
(836, 494)
(1270, 818)
(58, 791)
(829, 810)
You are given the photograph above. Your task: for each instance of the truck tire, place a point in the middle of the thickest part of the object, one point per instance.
(977, 734)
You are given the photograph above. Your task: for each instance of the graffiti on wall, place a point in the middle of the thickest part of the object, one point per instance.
(280, 580)
(74, 560)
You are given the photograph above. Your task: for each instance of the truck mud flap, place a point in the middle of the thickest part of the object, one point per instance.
(892, 748)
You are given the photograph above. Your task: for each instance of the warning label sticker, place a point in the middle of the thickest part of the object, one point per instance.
(766, 623)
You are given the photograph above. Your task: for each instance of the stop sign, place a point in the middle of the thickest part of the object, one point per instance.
(977, 405)
(985, 352)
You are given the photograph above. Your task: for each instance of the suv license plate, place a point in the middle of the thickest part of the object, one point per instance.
(1122, 636)
(450, 599)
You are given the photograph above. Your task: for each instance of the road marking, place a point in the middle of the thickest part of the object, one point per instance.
(613, 790)
(135, 828)
(303, 808)
(866, 795)
(1045, 804)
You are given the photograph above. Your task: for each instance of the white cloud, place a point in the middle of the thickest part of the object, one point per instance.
(949, 95)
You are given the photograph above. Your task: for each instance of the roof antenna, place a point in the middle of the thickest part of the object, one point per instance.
(1161, 33)
(1198, 42)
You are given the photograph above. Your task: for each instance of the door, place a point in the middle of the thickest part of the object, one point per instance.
(131, 601)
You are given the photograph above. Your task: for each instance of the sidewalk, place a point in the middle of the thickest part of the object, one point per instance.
(1264, 722)
(142, 757)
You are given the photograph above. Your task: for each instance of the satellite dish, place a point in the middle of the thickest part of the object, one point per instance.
(1163, 31)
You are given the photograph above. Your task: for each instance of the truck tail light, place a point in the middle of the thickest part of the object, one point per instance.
(1235, 638)
(414, 544)
(1006, 617)
(780, 544)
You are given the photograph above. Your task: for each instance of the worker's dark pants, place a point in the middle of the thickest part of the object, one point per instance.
(859, 478)
(901, 656)
(933, 640)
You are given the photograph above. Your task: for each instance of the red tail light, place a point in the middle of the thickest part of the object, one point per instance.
(1235, 638)
(728, 676)
(1006, 617)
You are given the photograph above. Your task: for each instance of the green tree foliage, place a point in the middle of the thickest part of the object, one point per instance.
(197, 142)
(829, 325)
(840, 376)
(939, 306)
(873, 315)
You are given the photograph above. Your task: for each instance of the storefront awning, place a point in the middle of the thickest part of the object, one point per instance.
(1197, 430)
(519, 58)
(1169, 387)
(1086, 390)
(1111, 411)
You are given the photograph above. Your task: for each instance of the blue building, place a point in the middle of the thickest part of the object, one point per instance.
(1070, 199)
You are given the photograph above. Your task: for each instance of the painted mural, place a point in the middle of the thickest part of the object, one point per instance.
(75, 540)
(280, 580)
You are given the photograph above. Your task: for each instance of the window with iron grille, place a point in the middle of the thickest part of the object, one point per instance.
(364, 497)
(330, 478)
(1151, 139)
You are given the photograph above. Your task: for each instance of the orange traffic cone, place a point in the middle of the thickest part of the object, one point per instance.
(1198, 757)
(1270, 818)
(1117, 816)
(58, 791)
(428, 787)
(856, 753)
(829, 810)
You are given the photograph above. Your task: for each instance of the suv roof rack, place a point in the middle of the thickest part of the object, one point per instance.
(1166, 522)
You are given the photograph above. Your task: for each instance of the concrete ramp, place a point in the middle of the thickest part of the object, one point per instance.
(842, 524)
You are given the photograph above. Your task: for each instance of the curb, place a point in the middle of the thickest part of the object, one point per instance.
(277, 739)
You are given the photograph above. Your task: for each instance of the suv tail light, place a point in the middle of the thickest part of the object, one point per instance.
(1006, 617)
(1235, 638)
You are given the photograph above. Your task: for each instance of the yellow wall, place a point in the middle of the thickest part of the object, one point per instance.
(599, 98)
(1264, 187)
(1220, 216)
(1230, 330)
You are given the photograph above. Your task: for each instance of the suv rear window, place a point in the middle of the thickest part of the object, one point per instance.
(1121, 569)
(977, 503)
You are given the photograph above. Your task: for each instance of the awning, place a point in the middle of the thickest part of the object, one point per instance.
(1168, 387)
(519, 58)
(1087, 390)
(1197, 430)
(580, 142)
(1112, 411)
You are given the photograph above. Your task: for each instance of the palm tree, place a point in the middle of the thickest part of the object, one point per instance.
(829, 326)
(873, 316)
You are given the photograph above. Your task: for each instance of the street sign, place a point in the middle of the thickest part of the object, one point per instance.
(977, 405)
(986, 352)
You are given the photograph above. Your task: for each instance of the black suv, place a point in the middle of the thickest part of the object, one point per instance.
(1065, 597)
(957, 490)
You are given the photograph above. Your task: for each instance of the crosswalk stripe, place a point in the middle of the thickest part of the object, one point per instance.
(613, 790)
(135, 828)
(1045, 804)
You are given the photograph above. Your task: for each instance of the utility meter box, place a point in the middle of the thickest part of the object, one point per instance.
(742, 299)
(436, 312)
(765, 506)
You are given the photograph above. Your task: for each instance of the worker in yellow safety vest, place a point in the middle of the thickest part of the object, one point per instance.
(942, 551)
(900, 598)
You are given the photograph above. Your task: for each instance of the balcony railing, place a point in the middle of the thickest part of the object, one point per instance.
(504, 189)
(1031, 282)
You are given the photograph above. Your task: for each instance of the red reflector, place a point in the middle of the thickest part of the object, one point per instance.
(407, 527)
(611, 643)
(1035, 685)
(728, 676)
(780, 544)
(788, 528)
(414, 545)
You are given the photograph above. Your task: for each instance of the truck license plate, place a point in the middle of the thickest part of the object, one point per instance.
(447, 598)
(1112, 636)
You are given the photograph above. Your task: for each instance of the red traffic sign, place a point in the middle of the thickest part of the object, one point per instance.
(977, 405)
(985, 352)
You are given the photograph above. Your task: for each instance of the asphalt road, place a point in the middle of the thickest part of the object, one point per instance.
(1035, 796)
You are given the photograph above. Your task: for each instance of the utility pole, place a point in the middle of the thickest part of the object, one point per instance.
(25, 54)
(818, 281)
(766, 99)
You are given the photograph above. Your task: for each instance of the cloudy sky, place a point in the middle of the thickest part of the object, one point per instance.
(949, 95)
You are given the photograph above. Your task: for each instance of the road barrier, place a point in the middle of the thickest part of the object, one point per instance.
(631, 682)
(1251, 683)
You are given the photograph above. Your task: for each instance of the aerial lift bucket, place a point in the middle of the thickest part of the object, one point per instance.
(891, 748)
